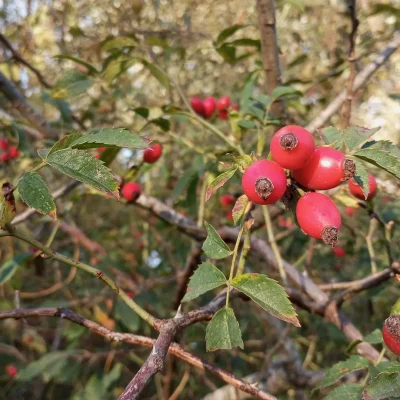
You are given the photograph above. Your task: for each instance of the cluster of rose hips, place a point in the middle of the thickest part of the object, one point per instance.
(132, 190)
(8, 152)
(207, 107)
(312, 168)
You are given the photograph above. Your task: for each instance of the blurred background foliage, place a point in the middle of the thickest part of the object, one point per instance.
(103, 61)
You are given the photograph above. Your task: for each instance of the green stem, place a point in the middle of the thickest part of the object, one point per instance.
(274, 246)
(93, 271)
(372, 228)
(202, 205)
(245, 251)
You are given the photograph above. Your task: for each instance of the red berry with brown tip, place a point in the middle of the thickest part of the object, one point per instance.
(264, 182)
(209, 106)
(391, 333)
(223, 103)
(4, 143)
(292, 146)
(326, 169)
(356, 191)
(11, 371)
(319, 217)
(152, 153)
(197, 105)
(131, 191)
(227, 200)
(339, 252)
(13, 152)
(4, 157)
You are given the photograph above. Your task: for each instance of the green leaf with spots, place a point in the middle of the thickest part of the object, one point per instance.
(83, 167)
(113, 137)
(223, 332)
(206, 277)
(240, 208)
(333, 374)
(351, 391)
(219, 181)
(361, 176)
(214, 246)
(332, 137)
(268, 294)
(384, 386)
(9, 268)
(356, 135)
(64, 143)
(35, 193)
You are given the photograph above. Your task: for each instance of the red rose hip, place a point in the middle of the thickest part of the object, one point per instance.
(223, 114)
(3, 143)
(152, 153)
(356, 191)
(131, 191)
(209, 107)
(339, 252)
(319, 217)
(227, 200)
(13, 152)
(11, 371)
(223, 103)
(4, 157)
(197, 105)
(326, 169)
(264, 182)
(391, 333)
(292, 146)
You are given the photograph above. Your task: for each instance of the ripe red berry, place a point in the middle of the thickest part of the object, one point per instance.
(223, 114)
(13, 152)
(4, 143)
(4, 157)
(319, 217)
(101, 149)
(197, 105)
(227, 200)
(326, 169)
(350, 210)
(235, 107)
(339, 252)
(223, 103)
(229, 216)
(264, 182)
(292, 146)
(209, 107)
(391, 333)
(131, 191)
(356, 191)
(11, 370)
(152, 153)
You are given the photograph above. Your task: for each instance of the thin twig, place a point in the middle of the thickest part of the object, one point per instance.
(372, 228)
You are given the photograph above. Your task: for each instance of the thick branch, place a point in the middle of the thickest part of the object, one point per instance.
(359, 81)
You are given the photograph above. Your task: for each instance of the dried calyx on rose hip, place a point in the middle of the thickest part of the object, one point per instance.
(152, 153)
(319, 217)
(131, 191)
(356, 191)
(391, 333)
(292, 146)
(264, 182)
(326, 169)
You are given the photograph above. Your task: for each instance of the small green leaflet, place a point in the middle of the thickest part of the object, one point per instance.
(384, 386)
(72, 83)
(63, 143)
(119, 42)
(223, 331)
(282, 91)
(9, 268)
(374, 337)
(356, 135)
(240, 208)
(80, 165)
(160, 75)
(361, 176)
(206, 277)
(126, 317)
(383, 154)
(350, 391)
(226, 33)
(110, 137)
(219, 181)
(395, 308)
(90, 67)
(214, 246)
(35, 193)
(247, 124)
(268, 294)
(332, 137)
(333, 374)
(263, 99)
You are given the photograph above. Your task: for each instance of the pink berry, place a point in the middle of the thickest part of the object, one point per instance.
(131, 191)
(152, 153)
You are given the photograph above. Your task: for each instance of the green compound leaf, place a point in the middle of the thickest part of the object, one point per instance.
(114, 137)
(214, 246)
(332, 137)
(355, 135)
(223, 332)
(384, 386)
(333, 374)
(218, 182)
(64, 143)
(351, 391)
(206, 277)
(268, 294)
(80, 165)
(35, 193)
